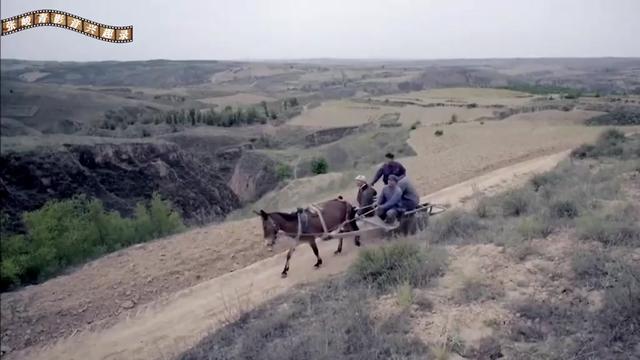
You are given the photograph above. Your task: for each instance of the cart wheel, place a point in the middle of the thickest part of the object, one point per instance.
(408, 225)
(423, 220)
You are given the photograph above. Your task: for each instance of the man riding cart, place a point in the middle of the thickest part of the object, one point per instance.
(397, 197)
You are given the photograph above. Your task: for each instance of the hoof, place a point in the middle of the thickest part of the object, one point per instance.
(317, 265)
(283, 275)
(337, 252)
(358, 243)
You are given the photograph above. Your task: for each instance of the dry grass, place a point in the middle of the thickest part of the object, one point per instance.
(331, 320)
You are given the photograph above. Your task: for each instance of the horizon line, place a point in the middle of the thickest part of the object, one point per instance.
(391, 59)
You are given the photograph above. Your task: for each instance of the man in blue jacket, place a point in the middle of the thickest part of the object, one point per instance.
(389, 200)
(410, 198)
(391, 167)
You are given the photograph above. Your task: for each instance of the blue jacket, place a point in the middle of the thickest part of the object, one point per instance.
(410, 198)
(389, 198)
(389, 168)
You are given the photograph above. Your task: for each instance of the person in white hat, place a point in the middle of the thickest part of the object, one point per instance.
(366, 196)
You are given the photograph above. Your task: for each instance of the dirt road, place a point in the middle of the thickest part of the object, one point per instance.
(163, 329)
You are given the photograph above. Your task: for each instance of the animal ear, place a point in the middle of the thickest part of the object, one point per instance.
(263, 214)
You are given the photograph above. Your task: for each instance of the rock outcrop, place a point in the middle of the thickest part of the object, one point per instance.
(120, 175)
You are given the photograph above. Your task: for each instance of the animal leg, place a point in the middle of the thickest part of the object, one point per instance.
(357, 240)
(286, 263)
(314, 247)
(339, 247)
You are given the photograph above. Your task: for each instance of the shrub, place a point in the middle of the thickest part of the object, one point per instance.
(319, 166)
(621, 229)
(415, 125)
(590, 266)
(438, 133)
(547, 179)
(67, 232)
(386, 267)
(453, 226)
(620, 117)
(284, 171)
(536, 226)
(516, 202)
(564, 209)
(583, 151)
(484, 208)
(611, 143)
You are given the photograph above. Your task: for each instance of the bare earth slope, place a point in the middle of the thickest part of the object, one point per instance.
(174, 323)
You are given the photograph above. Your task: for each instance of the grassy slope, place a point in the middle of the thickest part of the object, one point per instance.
(572, 233)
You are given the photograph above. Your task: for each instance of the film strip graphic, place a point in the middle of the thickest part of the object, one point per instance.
(114, 34)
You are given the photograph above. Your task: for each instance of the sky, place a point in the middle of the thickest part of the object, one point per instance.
(352, 29)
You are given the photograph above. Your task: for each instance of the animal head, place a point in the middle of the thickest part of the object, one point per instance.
(269, 228)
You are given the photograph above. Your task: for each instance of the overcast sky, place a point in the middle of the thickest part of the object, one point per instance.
(382, 29)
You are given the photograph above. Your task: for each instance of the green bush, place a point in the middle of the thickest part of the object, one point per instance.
(284, 171)
(387, 267)
(438, 133)
(319, 166)
(68, 232)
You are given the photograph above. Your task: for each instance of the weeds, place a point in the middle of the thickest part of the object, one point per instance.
(386, 267)
(516, 202)
(327, 321)
(404, 295)
(475, 290)
(617, 229)
(591, 267)
(453, 226)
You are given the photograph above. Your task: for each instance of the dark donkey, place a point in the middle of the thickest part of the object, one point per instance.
(336, 213)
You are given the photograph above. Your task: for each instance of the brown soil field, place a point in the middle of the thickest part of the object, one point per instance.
(349, 113)
(480, 96)
(241, 99)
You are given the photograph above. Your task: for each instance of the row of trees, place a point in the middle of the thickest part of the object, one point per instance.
(227, 117)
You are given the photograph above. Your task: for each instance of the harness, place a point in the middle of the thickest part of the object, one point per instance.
(303, 221)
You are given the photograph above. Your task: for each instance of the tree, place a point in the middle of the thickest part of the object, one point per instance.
(284, 171)
(192, 116)
(319, 166)
(252, 115)
(265, 108)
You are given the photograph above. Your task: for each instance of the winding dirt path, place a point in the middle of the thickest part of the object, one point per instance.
(162, 329)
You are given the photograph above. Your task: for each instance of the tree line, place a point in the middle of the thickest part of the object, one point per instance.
(64, 233)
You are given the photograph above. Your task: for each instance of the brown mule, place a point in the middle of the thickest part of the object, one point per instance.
(335, 213)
